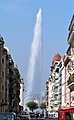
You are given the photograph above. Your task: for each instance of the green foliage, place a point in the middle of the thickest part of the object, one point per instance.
(71, 77)
(43, 105)
(32, 105)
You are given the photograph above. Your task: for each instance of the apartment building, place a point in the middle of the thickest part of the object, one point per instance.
(49, 93)
(64, 91)
(62, 72)
(58, 83)
(55, 76)
(3, 53)
(52, 85)
(10, 81)
(71, 57)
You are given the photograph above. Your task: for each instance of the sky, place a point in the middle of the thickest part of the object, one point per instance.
(17, 21)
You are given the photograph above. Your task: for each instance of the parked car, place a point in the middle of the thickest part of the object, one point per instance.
(23, 115)
(7, 116)
(37, 114)
(32, 115)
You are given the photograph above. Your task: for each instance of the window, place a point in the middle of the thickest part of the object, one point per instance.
(72, 98)
(56, 105)
(2, 87)
(2, 60)
(2, 74)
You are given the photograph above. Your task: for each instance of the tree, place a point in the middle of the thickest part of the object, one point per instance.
(32, 105)
(43, 105)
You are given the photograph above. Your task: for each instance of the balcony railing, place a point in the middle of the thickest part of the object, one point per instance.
(70, 81)
(71, 84)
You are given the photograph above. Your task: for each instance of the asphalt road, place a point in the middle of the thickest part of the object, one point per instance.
(44, 119)
(41, 119)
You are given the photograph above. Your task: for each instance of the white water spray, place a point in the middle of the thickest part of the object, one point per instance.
(35, 47)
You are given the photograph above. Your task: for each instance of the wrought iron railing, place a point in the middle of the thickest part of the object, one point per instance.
(70, 81)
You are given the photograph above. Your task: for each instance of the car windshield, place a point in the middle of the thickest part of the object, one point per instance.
(70, 115)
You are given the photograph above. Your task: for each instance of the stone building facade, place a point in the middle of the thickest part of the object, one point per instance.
(10, 81)
(62, 74)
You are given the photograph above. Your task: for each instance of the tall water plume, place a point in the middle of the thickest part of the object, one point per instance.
(35, 47)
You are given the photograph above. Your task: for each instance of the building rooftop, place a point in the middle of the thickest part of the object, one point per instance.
(57, 57)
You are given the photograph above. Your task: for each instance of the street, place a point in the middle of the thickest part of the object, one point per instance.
(42, 119)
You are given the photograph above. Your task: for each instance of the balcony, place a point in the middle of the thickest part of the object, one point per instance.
(71, 36)
(47, 93)
(56, 93)
(47, 88)
(56, 83)
(71, 82)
